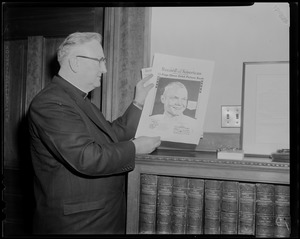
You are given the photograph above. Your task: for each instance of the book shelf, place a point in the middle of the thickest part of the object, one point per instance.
(203, 165)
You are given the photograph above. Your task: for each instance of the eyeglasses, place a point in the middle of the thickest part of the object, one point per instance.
(102, 59)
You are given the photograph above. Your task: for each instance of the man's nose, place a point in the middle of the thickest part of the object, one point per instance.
(178, 101)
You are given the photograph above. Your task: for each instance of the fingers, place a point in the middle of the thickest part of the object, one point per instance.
(145, 144)
(158, 142)
(148, 87)
(147, 78)
(144, 80)
(157, 138)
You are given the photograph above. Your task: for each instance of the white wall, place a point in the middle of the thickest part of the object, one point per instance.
(227, 35)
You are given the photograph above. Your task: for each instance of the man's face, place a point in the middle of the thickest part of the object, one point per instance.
(92, 70)
(174, 100)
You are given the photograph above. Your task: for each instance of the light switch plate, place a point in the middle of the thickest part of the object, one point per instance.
(231, 116)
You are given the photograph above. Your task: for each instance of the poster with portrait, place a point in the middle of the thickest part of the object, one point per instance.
(175, 107)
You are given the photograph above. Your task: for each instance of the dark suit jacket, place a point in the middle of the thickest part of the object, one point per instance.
(80, 162)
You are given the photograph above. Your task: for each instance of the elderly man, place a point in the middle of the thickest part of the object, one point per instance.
(81, 160)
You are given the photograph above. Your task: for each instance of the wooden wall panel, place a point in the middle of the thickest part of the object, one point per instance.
(125, 48)
(132, 21)
(14, 89)
(34, 81)
(9, 228)
(50, 63)
(47, 21)
(14, 209)
(19, 201)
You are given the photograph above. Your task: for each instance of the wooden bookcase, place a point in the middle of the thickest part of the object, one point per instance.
(199, 165)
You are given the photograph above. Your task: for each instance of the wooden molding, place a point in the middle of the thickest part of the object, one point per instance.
(110, 41)
(206, 165)
(126, 46)
(14, 67)
(34, 81)
(256, 165)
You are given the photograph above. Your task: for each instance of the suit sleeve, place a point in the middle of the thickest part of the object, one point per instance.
(61, 129)
(126, 125)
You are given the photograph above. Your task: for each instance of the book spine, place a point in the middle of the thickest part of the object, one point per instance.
(282, 211)
(229, 207)
(194, 222)
(212, 206)
(247, 200)
(264, 210)
(148, 195)
(164, 204)
(179, 202)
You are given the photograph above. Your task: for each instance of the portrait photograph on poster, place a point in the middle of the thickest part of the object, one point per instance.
(175, 107)
(183, 93)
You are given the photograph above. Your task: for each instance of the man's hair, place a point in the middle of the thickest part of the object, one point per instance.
(172, 84)
(74, 40)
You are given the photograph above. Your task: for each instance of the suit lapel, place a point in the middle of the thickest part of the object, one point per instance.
(104, 122)
(86, 106)
(97, 118)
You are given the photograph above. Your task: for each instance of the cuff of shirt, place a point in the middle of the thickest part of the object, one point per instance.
(140, 106)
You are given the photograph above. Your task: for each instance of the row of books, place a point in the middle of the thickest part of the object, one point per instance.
(178, 205)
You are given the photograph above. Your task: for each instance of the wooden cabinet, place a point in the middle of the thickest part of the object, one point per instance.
(203, 165)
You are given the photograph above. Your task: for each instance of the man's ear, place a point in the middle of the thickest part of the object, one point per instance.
(74, 64)
(162, 99)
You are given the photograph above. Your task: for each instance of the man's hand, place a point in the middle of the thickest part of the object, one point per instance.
(142, 91)
(146, 145)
